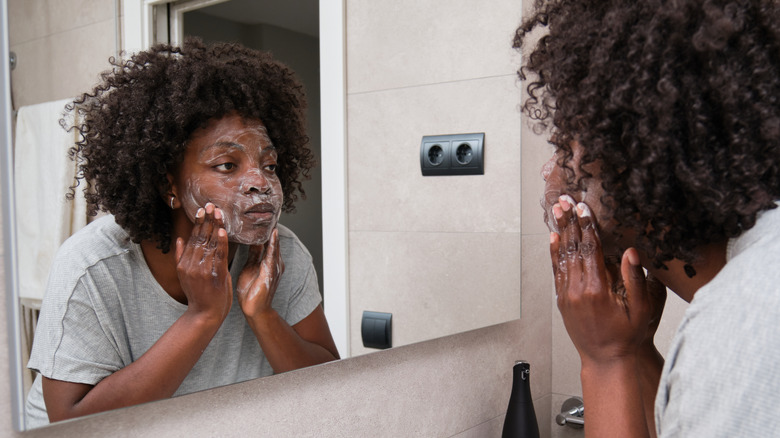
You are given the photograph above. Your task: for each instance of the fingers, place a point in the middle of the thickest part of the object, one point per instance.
(208, 220)
(570, 230)
(202, 263)
(273, 257)
(221, 250)
(565, 247)
(631, 270)
(272, 247)
(208, 241)
(555, 243)
(179, 248)
(634, 280)
(260, 277)
(576, 253)
(591, 253)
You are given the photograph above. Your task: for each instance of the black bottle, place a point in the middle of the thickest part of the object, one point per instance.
(520, 419)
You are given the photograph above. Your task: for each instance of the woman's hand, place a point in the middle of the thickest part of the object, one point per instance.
(606, 322)
(202, 265)
(657, 294)
(258, 280)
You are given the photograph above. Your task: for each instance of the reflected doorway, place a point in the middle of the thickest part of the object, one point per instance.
(290, 31)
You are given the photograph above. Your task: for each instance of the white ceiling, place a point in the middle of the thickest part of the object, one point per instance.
(298, 15)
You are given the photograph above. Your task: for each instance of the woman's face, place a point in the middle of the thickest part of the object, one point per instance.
(231, 163)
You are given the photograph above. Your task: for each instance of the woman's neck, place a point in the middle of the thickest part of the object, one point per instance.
(710, 260)
(163, 268)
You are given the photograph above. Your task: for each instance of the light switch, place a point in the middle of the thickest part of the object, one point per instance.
(376, 329)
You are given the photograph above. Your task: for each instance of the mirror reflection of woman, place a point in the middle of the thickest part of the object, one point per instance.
(666, 174)
(190, 282)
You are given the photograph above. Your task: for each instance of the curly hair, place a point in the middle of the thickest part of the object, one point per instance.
(679, 101)
(135, 125)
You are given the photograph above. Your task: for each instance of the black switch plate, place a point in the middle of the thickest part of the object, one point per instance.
(376, 330)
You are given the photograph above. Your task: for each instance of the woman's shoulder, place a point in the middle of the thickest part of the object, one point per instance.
(744, 296)
(100, 239)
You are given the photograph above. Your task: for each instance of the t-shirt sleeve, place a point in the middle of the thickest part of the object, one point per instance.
(298, 293)
(70, 343)
(305, 299)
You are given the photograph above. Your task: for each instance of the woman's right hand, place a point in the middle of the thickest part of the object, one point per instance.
(202, 265)
(604, 322)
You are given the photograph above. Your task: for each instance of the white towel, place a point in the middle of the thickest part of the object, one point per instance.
(43, 173)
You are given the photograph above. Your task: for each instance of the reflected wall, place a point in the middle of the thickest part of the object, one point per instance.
(61, 47)
(442, 254)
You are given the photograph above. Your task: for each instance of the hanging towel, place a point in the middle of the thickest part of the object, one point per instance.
(43, 173)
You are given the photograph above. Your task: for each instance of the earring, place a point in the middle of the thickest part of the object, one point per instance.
(172, 198)
(689, 271)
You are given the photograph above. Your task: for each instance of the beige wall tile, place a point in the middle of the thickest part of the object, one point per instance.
(434, 284)
(490, 428)
(542, 408)
(409, 42)
(32, 19)
(61, 65)
(536, 281)
(386, 188)
(565, 359)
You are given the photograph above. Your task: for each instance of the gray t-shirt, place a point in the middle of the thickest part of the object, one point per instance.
(103, 309)
(722, 373)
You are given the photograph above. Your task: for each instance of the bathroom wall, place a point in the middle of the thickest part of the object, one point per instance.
(456, 386)
(61, 47)
(439, 253)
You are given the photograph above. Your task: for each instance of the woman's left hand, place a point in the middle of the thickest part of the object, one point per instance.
(258, 280)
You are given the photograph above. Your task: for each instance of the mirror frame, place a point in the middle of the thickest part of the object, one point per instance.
(13, 328)
(333, 122)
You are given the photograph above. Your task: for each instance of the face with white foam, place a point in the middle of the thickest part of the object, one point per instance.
(231, 163)
(557, 184)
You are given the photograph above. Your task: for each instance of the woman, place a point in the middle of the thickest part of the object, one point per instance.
(666, 123)
(190, 282)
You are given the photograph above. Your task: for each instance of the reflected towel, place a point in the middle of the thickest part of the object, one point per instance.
(43, 173)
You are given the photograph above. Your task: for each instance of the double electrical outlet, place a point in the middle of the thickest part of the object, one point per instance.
(456, 154)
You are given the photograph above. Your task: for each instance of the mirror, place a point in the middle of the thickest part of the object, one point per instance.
(46, 34)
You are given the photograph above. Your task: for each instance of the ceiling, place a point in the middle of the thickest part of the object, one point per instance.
(298, 15)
